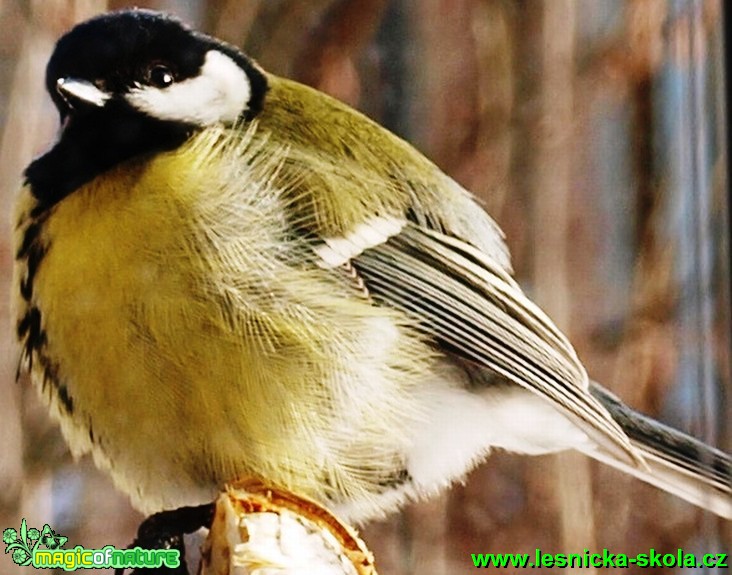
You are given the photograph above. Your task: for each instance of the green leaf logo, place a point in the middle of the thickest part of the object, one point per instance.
(22, 544)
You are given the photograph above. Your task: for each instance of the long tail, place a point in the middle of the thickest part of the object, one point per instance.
(677, 463)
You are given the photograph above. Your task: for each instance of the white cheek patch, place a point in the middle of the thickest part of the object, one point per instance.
(220, 93)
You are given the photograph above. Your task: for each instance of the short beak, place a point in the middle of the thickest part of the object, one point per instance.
(81, 92)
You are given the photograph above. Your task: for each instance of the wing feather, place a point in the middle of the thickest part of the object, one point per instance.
(474, 309)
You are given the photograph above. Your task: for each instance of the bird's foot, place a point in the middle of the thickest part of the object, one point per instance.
(165, 530)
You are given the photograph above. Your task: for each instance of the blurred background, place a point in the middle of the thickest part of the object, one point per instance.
(594, 131)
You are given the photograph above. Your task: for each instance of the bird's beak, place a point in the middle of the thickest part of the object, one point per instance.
(80, 92)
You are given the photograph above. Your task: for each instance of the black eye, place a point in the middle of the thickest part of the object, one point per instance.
(160, 76)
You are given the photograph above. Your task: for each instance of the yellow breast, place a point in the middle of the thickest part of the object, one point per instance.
(198, 341)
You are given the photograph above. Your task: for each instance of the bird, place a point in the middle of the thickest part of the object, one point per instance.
(223, 273)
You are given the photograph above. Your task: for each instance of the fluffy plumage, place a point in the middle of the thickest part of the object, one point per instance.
(298, 295)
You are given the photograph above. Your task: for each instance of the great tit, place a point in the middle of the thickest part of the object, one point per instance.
(222, 273)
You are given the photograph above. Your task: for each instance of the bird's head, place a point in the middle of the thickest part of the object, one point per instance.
(151, 64)
(133, 83)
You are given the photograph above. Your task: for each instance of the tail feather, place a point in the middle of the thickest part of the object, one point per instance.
(676, 462)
